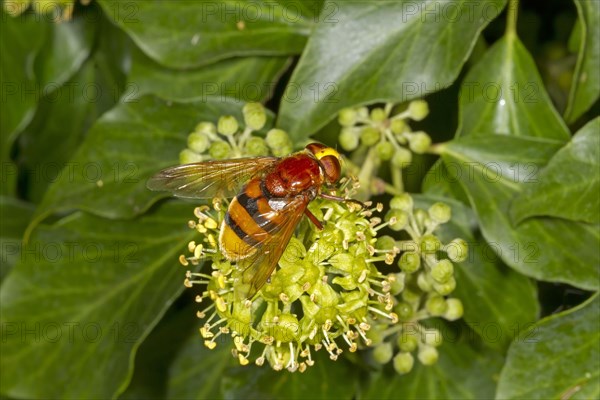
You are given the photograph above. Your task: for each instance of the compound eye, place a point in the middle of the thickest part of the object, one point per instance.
(331, 168)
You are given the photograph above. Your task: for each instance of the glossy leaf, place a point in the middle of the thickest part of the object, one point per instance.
(243, 79)
(107, 175)
(585, 88)
(60, 124)
(498, 301)
(191, 34)
(443, 181)
(569, 185)
(558, 358)
(504, 94)
(465, 370)
(375, 52)
(321, 381)
(550, 249)
(20, 40)
(15, 215)
(83, 298)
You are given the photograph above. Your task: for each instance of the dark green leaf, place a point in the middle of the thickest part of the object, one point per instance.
(20, 40)
(444, 182)
(190, 34)
(465, 370)
(504, 94)
(15, 215)
(321, 381)
(107, 175)
(86, 293)
(64, 52)
(498, 301)
(245, 79)
(60, 123)
(552, 249)
(369, 52)
(558, 358)
(569, 185)
(585, 88)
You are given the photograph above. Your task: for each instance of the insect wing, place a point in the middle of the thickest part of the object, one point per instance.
(259, 267)
(205, 180)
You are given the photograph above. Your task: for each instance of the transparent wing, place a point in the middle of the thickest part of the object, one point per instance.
(259, 267)
(204, 180)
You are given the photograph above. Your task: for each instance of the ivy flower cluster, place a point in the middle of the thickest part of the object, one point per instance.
(227, 139)
(342, 288)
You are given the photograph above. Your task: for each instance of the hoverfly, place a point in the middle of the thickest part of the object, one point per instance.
(263, 215)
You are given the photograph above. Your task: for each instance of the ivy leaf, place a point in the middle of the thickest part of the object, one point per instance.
(443, 181)
(321, 381)
(499, 302)
(465, 370)
(569, 185)
(245, 79)
(86, 293)
(20, 40)
(551, 249)
(557, 358)
(191, 34)
(386, 51)
(108, 173)
(585, 88)
(15, 215)
(504, 94)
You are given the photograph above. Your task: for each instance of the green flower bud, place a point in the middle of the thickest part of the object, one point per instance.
(348, 139)
(407, 342)
(440, 213)
(363, 112)
(428, 355)
(404, 311)
(411, 297)
(369, 136)
(254, 115)
(400, 218)
(385, 243)
(430, 244)
(286, 329)
(403, 363)
(385, 150)
(375, 334)
(442, 271)
(445, 288)
(454, 310)
(347, 116)
(402, 158)
(227, 125)
(219, 150)
(409, 262)
(421, 217)
(419, 142)
(432, 337)
(383, 353)
(424, 282)
(457, 250)
(398, 126)
(436, 305)
(279, 142)
(198, 142)
(378, 115)
(206, 127)
(256, 146)
(398, 284)
(187, 156)
(418, 109)
(402, 202)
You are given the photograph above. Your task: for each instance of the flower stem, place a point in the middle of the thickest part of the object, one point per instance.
(511, 18)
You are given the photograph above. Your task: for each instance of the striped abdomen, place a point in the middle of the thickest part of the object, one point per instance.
(248, 221)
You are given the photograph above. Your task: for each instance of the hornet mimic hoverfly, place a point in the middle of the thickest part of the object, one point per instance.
(263, 215)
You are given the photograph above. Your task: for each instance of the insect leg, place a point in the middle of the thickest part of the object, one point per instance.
(313, 219)
(341, 199)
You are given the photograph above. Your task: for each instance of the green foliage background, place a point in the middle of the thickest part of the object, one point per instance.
(92, 301)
